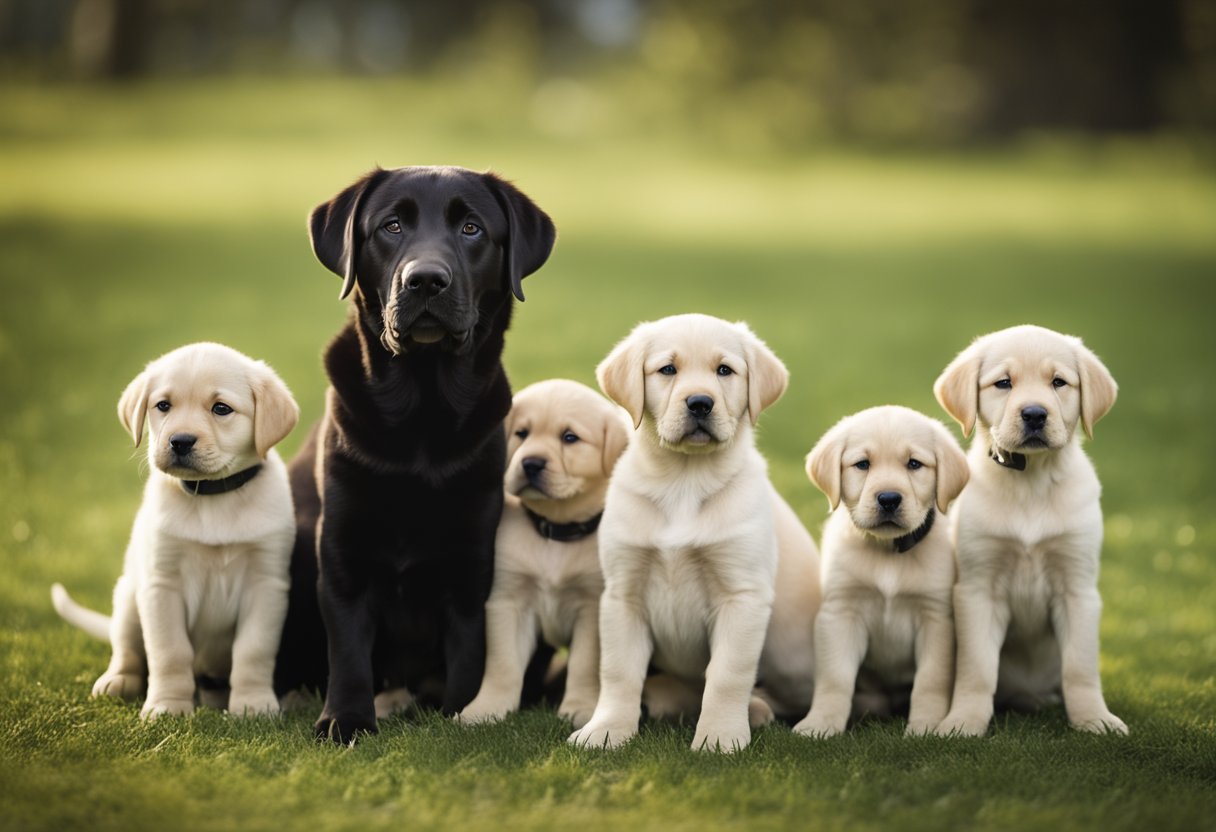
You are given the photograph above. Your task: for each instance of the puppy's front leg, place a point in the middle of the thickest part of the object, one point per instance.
(840, 647)
(625, 649)
(1075, 618)
(125, 677)
(980, 622)
(259, 626)
(170, 654)
(510, 640)
(934, 679)
(582, 673)
(735, 643)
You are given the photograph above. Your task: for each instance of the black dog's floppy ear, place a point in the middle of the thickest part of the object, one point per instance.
(331, 228)
(531, 233)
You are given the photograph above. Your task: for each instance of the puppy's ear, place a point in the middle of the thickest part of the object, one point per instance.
(621, 375)
(616, 437)
(275, 412)
(531, 233)
(767, 377)
(958, 388)
(1098, 388)
(823, 464)
(133, 406)
(953, 472)
(333, 229)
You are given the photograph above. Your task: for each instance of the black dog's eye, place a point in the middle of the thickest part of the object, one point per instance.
(914, 464)
(1004, 384)
(522, 433)
(163, 407)
(864, 465)
(668, 369)
(569, 437)
(723, 370)
(1058, 382)
(470, 229)
(392, 227)
(220, 409)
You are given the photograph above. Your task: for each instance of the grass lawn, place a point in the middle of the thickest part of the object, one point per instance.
(133, 220)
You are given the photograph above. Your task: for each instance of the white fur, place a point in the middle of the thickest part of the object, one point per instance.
(708, 573)
(1026, 603)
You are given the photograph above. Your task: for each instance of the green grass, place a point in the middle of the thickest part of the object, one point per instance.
(133, 220)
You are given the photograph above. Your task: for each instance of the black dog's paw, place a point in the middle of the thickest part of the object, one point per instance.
(344, 729)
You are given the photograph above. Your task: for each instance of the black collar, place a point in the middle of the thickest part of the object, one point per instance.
(197, 488)
(563, 532)
(903, 544)
(1008, 459)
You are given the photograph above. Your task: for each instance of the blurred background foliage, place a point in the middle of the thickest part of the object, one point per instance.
(789, 73)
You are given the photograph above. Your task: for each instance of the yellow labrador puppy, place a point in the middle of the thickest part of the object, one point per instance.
(888, 567)
(1029, 528)
(563, 440)
(707, 572)
(203, 592)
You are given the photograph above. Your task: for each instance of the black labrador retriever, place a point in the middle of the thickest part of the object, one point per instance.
(399, 489)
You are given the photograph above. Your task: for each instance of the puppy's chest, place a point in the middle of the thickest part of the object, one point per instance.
(212, 581)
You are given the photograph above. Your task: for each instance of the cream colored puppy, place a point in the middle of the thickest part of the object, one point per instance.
(888, 566)
(563, 440)
(204, 586)
(707, 572)
(1029, 528)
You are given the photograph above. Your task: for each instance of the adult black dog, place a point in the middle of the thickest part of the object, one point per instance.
(409, 457)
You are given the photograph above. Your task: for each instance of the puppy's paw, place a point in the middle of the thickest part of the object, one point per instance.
(962, 725)
(344, 729)
(155, 708)
(126, 686)
(1103, 723)
(480, 712)
(721, 738)
(820, 726)
(254, 703)
(578, 711)
(919, 728)
(759, 712)
(392, 702)
(603, 734)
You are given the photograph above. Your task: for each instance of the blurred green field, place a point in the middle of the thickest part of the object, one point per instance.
(135, 219)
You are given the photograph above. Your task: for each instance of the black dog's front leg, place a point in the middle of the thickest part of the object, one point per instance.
(349, 699)
(464, 653)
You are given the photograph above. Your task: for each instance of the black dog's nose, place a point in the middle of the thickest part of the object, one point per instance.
(427, 281)
(533, 465)
(1034, 417)
(889, 500)
(699, 406)
(181, 443)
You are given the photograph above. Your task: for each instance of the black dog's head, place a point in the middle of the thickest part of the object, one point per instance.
(430, 249)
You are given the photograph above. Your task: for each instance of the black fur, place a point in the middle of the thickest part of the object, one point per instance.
(411, 452)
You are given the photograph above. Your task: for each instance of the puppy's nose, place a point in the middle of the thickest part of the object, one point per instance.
(427, 281)
(889, 500)
(1034, 416)
(533, 465)
(182, 443)
(699, 406)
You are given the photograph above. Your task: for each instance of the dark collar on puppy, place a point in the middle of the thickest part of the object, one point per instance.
(903, 544)
(201, 488)
(1008, 459)
(563, 532)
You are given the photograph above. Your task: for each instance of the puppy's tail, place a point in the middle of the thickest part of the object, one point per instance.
(91, 621)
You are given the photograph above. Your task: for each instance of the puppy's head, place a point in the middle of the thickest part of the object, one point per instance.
(692, 380)
(1027, 387)
(210, 411)
(889, 466)
(432, 251)
(563, 440)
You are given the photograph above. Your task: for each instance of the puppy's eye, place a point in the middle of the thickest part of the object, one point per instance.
(569, 437)
(723, 370)
(392, 227)
(220, 409)
(1003, 384)
(470, 229)
(668, 370)
(1058, 382)
(163, 406)
(863, 465)
(914, 464)
(522, 433)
